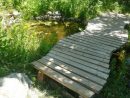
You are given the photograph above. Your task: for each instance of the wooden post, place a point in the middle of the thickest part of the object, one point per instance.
(40, 76)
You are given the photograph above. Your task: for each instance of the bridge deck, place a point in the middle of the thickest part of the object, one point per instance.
(81, 61)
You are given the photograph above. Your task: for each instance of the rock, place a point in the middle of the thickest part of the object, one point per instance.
(8, 19)
(15, 85)
(50, 16)
(18, 85)
(49, 13)
(57, 13)
(16, 13)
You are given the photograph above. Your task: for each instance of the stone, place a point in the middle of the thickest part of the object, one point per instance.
(8, 19)
(57, 13)
(18, 85)
(49, 13)
(16, 13)
(15, 85)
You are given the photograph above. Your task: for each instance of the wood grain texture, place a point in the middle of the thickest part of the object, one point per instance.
(81, 61)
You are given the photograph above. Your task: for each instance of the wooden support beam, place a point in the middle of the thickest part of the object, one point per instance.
(40, 76)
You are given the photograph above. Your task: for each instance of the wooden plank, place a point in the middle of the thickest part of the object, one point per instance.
(97, 42)
(97, 37)
(75, 70)
(111, 39)
(86, 63)
(78, 64)
(114, 38)
(93, 44)
(85, 51)
(95, 62)
(85, 82)
(81, 53)
(103, 42)
(100, 37)
(64, 80)
(86, 48)
(86, 45)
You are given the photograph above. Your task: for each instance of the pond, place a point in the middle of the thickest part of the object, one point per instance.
(29, 40)
(61, 29)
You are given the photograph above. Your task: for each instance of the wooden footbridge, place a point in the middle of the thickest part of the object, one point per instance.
(81, 61)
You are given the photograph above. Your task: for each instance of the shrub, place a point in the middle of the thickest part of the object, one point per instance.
(19, 44)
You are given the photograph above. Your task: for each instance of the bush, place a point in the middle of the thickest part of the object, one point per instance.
(18, 44)
(69, 8)
(83, 9)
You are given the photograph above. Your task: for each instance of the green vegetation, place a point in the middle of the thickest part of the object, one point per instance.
(83, 9)
(25, 42)
(28, 40)
(69, 8)
(117, 84)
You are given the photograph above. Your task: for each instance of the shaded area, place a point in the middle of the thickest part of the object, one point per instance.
(82, 60)
(23, 42)
(20, 83)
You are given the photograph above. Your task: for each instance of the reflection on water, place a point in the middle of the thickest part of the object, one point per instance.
(61, 29)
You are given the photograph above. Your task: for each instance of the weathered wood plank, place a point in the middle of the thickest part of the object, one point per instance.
(81, 65)
(85, 48)
(106, 39)
(87, 45)
(112, 38)
(107, 45)
(81, 53)
(84, 51)
(64, 80)
(93, 61)
(85, 82)
(111, 46)
(93, 42)
(81, 61)
(75, 70)
(88, 64)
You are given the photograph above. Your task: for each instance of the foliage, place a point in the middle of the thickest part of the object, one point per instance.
(117, 81)
(25, 42)
(18, 44)
(125, 5)
(83, 9)
(117, 84)
(69, 8)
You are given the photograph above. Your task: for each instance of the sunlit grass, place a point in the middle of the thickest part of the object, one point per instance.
(27, 41)
(24, 42)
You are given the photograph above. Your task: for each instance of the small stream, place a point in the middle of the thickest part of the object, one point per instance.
(61, 29)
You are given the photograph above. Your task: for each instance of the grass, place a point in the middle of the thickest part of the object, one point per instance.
(117, 84)
(27, 41)
(83, 9)
(24, 42)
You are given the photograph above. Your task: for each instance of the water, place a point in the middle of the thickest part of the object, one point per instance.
(62, 29)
